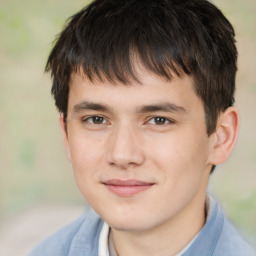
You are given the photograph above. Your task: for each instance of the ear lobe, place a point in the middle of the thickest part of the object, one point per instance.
(63, 127)
(225, 136)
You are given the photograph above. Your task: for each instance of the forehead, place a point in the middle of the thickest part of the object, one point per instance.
(151, 89)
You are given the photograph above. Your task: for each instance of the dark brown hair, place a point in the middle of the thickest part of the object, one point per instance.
(168, 36)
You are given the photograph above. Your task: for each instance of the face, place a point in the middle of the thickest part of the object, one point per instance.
(140, 153)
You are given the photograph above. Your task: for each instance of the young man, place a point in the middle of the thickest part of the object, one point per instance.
(145, 91)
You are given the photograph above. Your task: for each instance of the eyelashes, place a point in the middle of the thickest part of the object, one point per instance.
(155, 120)
(98, 120)
(159, 120)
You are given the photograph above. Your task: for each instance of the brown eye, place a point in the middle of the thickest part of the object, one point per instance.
(97, 120)
(160, 120)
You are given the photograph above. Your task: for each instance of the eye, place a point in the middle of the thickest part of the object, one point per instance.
(95, 120)
(158, 120)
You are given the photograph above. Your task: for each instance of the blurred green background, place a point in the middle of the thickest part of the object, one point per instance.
(33, 164)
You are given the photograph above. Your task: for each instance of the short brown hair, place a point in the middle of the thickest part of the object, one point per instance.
(179, 37)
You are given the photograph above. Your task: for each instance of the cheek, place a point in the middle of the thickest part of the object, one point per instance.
(168, 151)
(85, 154)
(179, 153)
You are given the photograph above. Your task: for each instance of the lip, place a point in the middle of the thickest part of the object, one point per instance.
(126, 188)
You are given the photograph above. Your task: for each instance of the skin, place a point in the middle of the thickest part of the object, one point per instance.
(126, 141)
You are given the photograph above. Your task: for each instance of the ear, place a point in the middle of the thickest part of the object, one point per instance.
(63, 127)
(224, 138)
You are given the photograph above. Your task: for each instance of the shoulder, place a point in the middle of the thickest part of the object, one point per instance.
(79, 237)
(218, 237)
(231, 243)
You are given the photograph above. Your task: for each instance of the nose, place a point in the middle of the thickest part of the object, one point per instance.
(125, 148)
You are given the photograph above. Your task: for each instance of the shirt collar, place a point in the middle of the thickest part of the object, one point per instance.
(103, 241)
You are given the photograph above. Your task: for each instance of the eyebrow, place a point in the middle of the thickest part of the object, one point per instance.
(86, 105)
(164, 107)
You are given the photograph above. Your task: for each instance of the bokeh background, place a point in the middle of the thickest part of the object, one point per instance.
(37, 190)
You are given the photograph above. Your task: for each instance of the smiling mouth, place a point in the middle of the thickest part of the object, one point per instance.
(126, 188)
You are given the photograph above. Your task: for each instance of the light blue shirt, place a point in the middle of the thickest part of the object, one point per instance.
(81, 238)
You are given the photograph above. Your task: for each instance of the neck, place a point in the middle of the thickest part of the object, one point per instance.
(166, 239)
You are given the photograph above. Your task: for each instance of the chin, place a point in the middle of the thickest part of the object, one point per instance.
(128, 226)
(132, 222)
(123, 222)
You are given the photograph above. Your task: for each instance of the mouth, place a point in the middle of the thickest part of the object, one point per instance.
(126, 188)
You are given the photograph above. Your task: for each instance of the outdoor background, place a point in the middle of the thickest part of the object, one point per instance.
(37, 191)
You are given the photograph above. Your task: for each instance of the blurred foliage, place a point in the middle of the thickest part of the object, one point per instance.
(33, 163)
